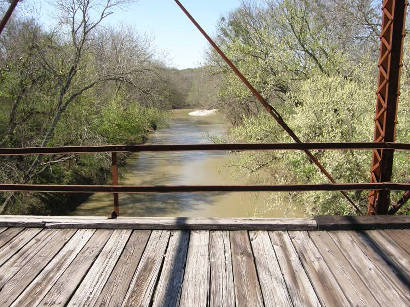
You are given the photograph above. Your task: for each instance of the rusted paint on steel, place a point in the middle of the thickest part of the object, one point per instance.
(400, 203)
(114, 171)
(390, 62)
(271, 110)
(201, 188)
(199, 147)
(8, 14)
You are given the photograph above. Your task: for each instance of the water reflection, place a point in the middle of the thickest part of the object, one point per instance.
(184, 168)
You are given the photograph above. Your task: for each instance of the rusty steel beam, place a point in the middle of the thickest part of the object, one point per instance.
(271, 110)
(400, 203)
(114, 171)
(45, 188)
(198, 147)
(7, 16)
(390, 62)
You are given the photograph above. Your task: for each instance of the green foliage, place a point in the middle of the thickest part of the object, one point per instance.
(119, 125)
(102, 104)
(319, 71)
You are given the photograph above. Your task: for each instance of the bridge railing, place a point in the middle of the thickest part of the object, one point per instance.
(115, 188)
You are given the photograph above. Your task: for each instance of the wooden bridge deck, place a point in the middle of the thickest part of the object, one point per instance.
(64, 262)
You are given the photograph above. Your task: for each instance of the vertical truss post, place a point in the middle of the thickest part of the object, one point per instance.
(390, 62)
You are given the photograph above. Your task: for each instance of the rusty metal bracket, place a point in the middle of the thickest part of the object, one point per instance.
(390, 62)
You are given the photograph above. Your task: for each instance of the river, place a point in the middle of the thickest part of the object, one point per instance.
(186, 168)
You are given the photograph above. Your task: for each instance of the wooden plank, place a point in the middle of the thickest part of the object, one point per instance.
(379, 286)
(8, 234)
(25, 254)
(15, 285)
(44, 218)
(195, 288)
(143, 283)
(353, 287)
(169, 286)
(116, 287)
(271, 280)
(93, 283)
(391, 250)
(298, 283)
(35, 292)
(362, 222)
(247, 289)
(396, 276)
(401, 237)
(154, 223)
(192, 224)
(326, 286)
(16, 243)
(68, 282)
(22, 222)
(2, 229)
(220, 257)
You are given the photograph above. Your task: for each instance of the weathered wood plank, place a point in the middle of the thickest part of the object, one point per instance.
(192, 224)
(154, 223)
(390, 269)
(401, 237)
(20, 221)
(247, 289)
(379, 286)
(274, 290)
(391, 249)
(362, 222)
(195, 288)
(298, 284)
(143, 283)
(220, 256)
(25, 254)
(65, 286)
(2, 229)
(8, 234)
(353, 287)
(169, 286)
(326, 286)
(16, 243)
(116, 287)
(39, 287)
(92, 284)
(15, 285)
(323, 222)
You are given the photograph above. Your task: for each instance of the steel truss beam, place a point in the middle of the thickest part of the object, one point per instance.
(390, 62)
(7, 15)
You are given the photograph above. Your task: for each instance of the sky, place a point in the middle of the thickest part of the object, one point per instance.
(175, 37)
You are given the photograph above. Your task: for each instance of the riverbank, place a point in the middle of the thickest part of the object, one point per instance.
(187, 168)
(88, 169)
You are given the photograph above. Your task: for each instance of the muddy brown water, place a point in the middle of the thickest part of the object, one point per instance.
(186, 168)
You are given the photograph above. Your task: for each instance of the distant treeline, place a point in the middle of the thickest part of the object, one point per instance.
(194, 87)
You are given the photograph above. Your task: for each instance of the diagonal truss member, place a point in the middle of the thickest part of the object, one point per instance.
(390, 62)
(271, 110)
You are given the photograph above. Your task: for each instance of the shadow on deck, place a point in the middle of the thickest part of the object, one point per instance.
(334, 261)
